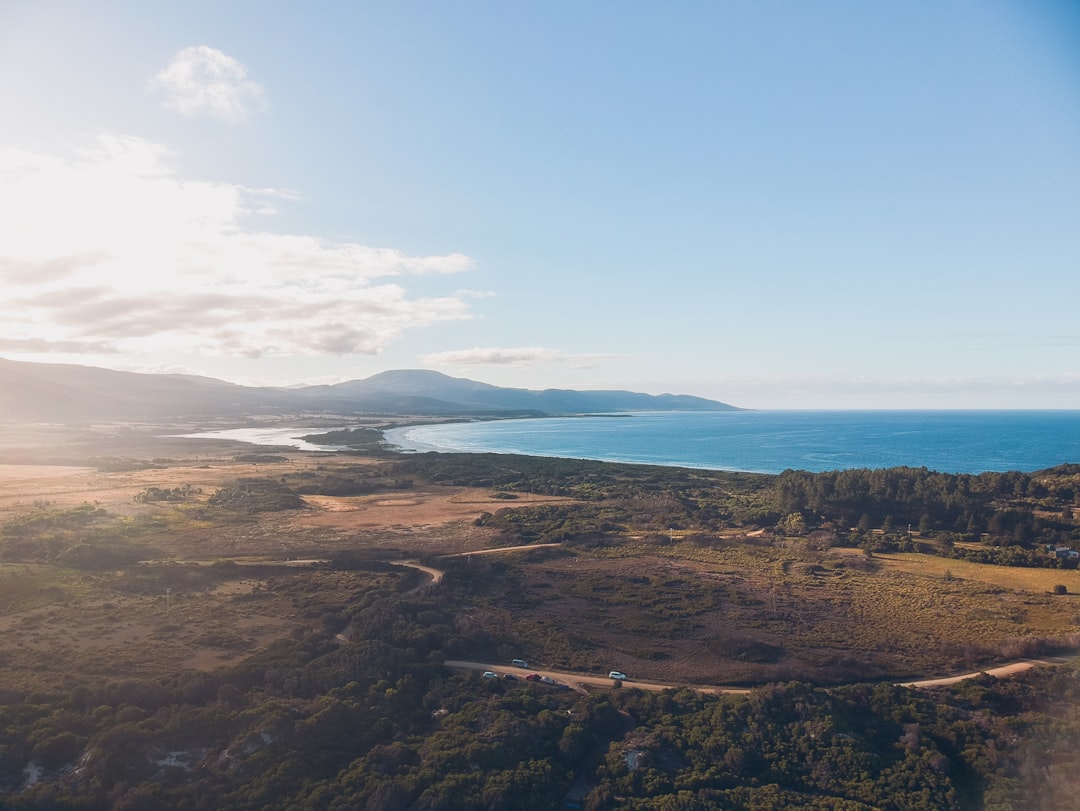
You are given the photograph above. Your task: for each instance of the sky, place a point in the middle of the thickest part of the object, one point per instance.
(779, 205)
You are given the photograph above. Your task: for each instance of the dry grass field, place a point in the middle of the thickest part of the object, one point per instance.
(179, 611)
(738, 616)
(733, 614)
(1037, 581)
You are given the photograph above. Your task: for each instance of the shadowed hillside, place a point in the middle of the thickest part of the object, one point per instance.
(69, 393)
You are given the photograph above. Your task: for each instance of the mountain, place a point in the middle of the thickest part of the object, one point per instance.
(483, 396)
(44, 392)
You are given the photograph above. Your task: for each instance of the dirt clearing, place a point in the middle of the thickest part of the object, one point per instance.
(419, 507)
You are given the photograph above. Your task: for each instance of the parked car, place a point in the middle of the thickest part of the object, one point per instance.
(533, 677)
(489, 675)
(547, 680)
(509, 677)
(615, 674)
(520, 663)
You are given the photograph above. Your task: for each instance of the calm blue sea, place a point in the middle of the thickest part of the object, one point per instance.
(772, 441)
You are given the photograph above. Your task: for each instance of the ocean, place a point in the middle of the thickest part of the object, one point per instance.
(773, 441)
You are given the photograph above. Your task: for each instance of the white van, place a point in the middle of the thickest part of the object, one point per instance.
(519, 663)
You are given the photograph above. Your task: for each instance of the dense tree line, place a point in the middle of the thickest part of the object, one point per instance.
(183, 493)
(1000, 509)
(254, 495)
(1011, 514)
(860, 747)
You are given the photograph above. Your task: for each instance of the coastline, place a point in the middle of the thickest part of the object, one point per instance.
(769, 442)
(764, 442)
(397, 439)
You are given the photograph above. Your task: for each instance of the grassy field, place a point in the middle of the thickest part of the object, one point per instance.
(1038, 581)
(750, 615)
(57, 626)
(734, 609)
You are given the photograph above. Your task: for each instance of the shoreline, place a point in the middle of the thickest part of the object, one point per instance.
(401, 445)
(764, 443)
(760, 442)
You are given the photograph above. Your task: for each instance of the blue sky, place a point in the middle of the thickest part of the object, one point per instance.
(774, 204)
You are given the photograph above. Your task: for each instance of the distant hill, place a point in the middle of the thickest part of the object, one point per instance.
(45, 392)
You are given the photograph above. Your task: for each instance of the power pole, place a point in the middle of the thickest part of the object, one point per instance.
(168, 600)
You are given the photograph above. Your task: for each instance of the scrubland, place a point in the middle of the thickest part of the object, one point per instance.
(149, 582)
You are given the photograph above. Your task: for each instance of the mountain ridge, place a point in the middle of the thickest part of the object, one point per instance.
(71, 392)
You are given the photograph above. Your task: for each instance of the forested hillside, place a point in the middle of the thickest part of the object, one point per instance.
(379, 724)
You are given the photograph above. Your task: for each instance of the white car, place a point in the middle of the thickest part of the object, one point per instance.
(615, 674)
(489, 675)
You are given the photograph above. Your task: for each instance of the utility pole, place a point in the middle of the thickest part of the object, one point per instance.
(168, 600)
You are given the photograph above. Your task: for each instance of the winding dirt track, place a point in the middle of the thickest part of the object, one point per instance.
(502, 549)
(436, 574)
(1000, 672)
(578, 681)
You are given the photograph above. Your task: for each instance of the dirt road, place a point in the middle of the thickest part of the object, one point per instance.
(502, 549)
(436, 574)
(1000, 672)
(578, 681)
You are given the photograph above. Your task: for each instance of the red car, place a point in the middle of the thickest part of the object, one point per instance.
(533, 677)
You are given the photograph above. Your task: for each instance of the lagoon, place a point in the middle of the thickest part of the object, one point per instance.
(277, 437)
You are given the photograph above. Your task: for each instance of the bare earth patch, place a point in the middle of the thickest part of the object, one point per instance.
(421, 507)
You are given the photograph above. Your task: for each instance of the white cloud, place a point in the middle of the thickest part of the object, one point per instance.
(514, 356)
(113, 251)
(203, 80)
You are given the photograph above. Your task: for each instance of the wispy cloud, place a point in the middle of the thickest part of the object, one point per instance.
(112, 250)
(475, 293)
(35, 272)
(513, 356)
(39, 346)
(201, 80)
